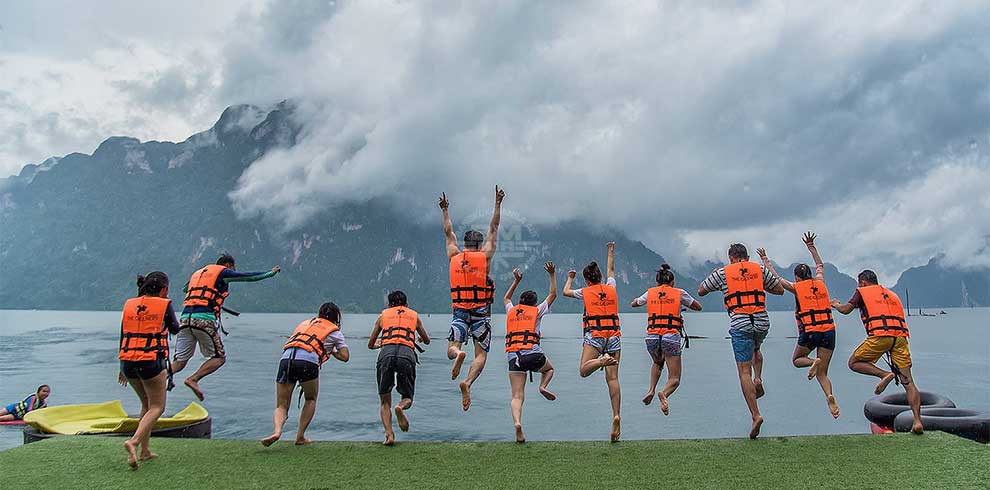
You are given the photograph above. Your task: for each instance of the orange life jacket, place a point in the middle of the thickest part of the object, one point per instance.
(399, 326)
(469, 280)
(142, 329)
(202, 289)
(663, 309)
(310, 335)
(601, 311)
(814, 309)
(884, 316)
(520, 328)
(745, 293)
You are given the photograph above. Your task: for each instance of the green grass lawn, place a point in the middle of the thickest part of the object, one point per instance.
(889, 462)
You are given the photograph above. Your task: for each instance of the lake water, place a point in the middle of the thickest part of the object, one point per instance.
(76, 351)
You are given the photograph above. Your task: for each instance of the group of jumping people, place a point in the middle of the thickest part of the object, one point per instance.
(148, 319)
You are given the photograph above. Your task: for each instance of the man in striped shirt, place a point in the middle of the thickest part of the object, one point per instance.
(748, 320)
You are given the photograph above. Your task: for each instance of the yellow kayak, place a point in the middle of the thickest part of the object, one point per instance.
(103, 418)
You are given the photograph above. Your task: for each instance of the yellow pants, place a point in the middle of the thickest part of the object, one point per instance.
(873, 348)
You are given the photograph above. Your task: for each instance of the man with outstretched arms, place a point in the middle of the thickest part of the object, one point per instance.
(882, 314)
(470, 294)
(199, 321)
(744, 285)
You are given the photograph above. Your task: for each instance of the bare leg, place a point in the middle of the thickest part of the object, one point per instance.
(673, 381)
(477, 365)
(546, 374)
(747, 384)
(870, 369)
(614, 395)
(914, 399)
(654, 380)
(386, 413)
(311, 390)
(454, 352)
(154, 389)
(758, 372)
(800, 357)
(6, 417)
(592, 360)
(518, 382)
(283, 397)
(823, 360)
(400, 413)
(208, 367)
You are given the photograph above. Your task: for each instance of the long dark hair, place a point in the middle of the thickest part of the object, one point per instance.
(330, 311)
(802, 272)
(592, 273)
(152, 284)
(665, 275)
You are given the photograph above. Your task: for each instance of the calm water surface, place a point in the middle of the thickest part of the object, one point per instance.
(75, 352)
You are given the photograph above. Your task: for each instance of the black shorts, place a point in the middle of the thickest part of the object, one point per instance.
(144, 370)
(397, 369)
(296, 371)
(816, 340)
(533, 361)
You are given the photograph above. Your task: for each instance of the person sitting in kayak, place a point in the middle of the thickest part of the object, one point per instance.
(34, 401)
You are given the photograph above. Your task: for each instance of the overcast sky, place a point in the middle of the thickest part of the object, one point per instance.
(687, 126)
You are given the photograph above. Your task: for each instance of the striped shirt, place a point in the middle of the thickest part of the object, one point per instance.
(740, 321)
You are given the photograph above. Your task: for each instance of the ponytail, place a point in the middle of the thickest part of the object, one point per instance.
(153, 284)
(592, 273)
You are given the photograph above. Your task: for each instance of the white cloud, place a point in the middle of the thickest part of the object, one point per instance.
(676, 122)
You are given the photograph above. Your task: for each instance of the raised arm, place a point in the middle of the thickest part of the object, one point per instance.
(516, 277)
(448, 227)
(567, 284)
(373, 341)
(491, 241)
(552, 271)
(610, 263)
(421, 330)
(769, 266)
(809, 241)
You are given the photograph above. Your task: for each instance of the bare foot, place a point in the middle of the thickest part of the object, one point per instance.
(465, 395)
(194, 386)
(833, 406)
(813, 370)
(757, 423)
(389, 439)
(648, 399)
(917, 428)
(608, 360)
(520, 438)
(147, 455)
(268, 441)
(664, 406)
(882, 385)
(132, 459)
(303, 441)
(400, 415)
(547, 394)
(616, 429)
(759, 389)
(458, 362)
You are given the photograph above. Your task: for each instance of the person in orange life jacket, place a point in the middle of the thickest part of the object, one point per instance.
(470, 294)
(886, 333)
(812, 310)
(395, 333)
(522, 343)
(602, 344)
(30, 403)
(146, 322)
(205, 293)
(663, 332)
(744, 285)
(313, 342)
